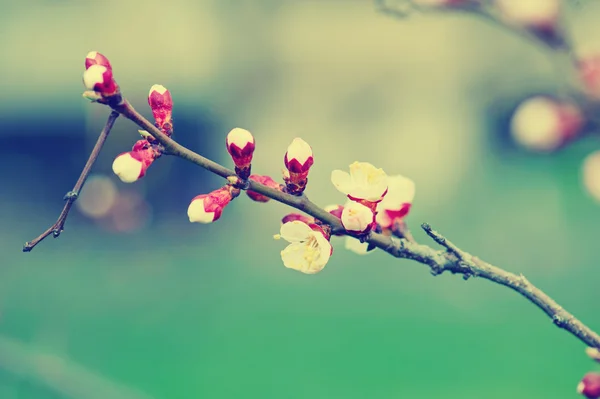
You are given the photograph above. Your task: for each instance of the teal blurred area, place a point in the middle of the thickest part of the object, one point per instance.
(142, 304)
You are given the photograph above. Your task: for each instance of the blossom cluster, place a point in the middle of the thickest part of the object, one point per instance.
(374, 200)
(132, 165)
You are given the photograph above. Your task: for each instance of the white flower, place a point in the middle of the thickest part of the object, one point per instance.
(543, 124)
(397, 201)
(354, 245)
(93, 76)
(127, 167)
(356, 217)
(309, 250)
(363, 182)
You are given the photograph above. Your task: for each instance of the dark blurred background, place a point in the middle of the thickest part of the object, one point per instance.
(133, 301)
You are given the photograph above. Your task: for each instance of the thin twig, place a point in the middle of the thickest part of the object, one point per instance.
(72, 195)
(173, 148)
(452, 259)
(458, 261)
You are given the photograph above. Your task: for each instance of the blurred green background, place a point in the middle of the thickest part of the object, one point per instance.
(141, 304)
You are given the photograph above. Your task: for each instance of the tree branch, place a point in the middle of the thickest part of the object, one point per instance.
(72, 195)
(451, 259)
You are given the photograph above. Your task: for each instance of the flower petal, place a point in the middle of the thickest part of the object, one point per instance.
(354, 245)
(341, 180)
(293, 257)
(401, 190)
(295, 231)
(356, 217)
(359, 172)
(325, 252)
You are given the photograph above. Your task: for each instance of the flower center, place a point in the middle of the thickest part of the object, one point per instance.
(372, 177)
(311, 252)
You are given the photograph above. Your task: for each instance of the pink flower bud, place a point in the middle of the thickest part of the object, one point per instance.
(99, 78)
(298, 159)
(296, 216)
(357, 218)
(590, 386)
(132, 165)
(265, 180)
(240, 145)
(207, 208)
(541, 123)
(589, 74)
(128, 166)
(95, 58)
(161, 103)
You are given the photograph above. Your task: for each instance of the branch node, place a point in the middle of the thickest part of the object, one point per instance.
(71, 196)
(238, 182)
(558, 321)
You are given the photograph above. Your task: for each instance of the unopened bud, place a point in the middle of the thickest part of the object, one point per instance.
(240, 145)
(99, 78)
(132, 165)
(590, 386)
(298, 160)
(357, 218)
(128, 167)
(95, 58)
(161, 103)
(207, 208)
